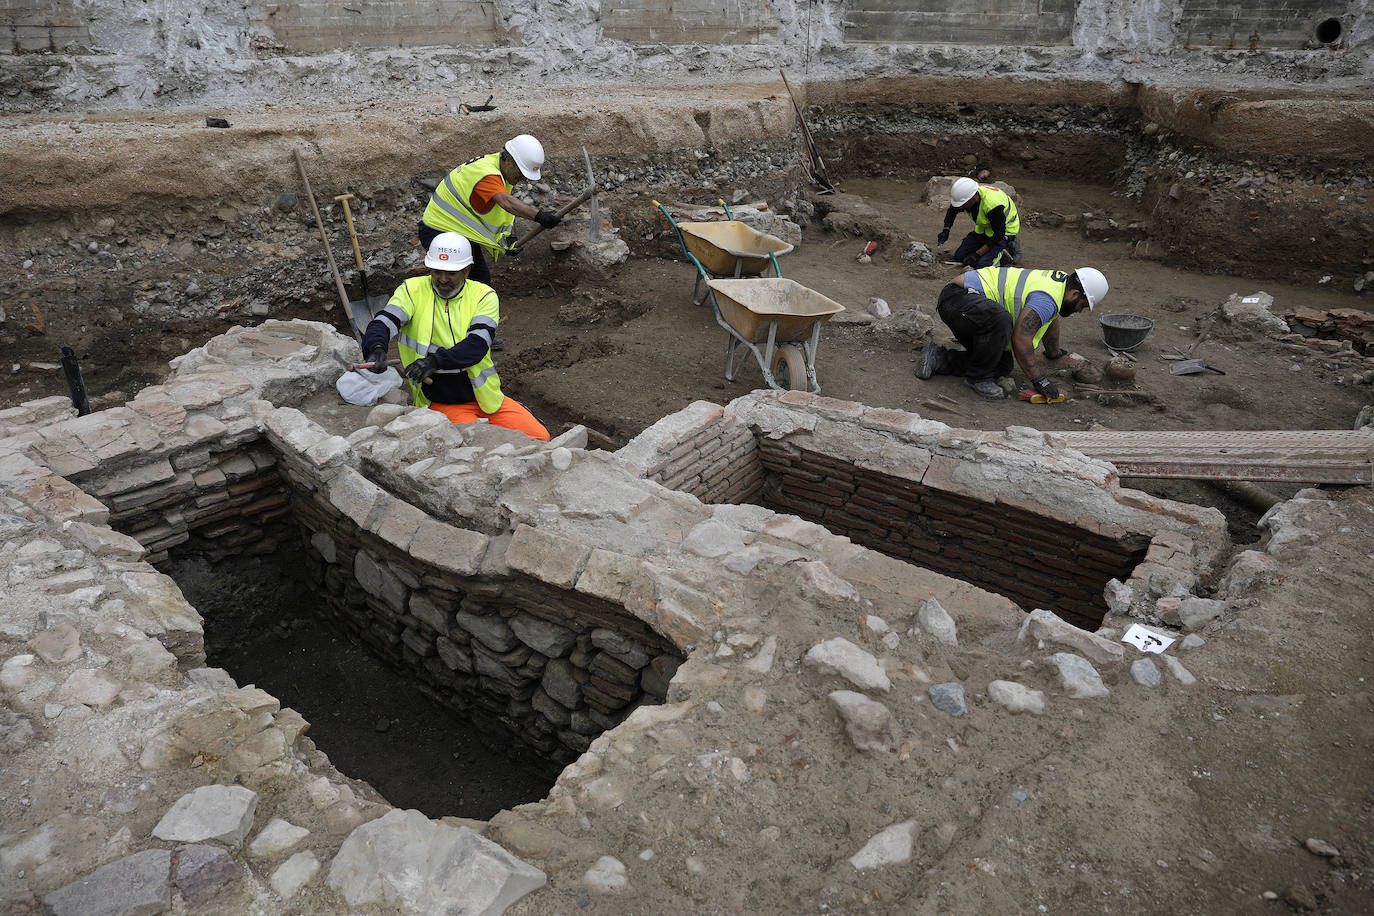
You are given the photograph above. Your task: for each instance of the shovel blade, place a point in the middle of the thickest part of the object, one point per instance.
(1186, 367)
(362, 311)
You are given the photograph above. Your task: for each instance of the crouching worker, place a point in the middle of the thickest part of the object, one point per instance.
(1001, 314)
(445, 324)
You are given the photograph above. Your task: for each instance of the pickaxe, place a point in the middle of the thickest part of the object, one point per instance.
(589, 194)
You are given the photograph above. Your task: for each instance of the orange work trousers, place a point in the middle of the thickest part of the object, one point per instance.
(511, 414)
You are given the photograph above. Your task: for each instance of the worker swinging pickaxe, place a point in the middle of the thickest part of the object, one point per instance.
(517, 245)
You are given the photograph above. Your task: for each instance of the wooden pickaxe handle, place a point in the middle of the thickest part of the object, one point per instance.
(576, 202)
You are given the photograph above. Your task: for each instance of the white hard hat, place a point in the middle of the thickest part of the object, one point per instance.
(449, 251)
(528, 154)
(1093, 283)
(962, 191)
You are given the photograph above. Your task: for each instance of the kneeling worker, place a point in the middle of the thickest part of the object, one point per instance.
(994, 241)
(446, 323)
(1004, 313)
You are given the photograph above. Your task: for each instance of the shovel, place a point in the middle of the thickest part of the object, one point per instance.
(360, 311)
(1192, 367)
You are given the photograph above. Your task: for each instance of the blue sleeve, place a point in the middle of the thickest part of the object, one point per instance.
(1043, 305)
(972, 282)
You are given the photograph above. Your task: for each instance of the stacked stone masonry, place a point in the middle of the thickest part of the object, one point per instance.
(547, 588)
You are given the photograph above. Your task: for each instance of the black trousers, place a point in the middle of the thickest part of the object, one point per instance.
(983, 328)
(481, 271)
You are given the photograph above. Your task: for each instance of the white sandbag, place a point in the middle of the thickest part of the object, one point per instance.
(366, 387)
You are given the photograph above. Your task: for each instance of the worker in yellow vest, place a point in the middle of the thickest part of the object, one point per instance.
(1001, 314)
(475, 201)
(444, 324)
(995, 240)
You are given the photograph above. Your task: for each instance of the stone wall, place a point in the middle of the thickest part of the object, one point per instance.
(1044, 532)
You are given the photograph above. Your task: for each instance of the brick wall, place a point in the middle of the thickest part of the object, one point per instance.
(702, 451)
(1035, 561)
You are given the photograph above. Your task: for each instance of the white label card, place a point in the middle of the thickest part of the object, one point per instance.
(1146, 640)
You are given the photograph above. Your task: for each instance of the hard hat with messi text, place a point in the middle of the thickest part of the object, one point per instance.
(449, 251)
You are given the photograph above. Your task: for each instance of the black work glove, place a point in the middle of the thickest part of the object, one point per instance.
(1057, 354)
(1046, 387)
(512, 252)
(422, 369)
(972, 260)
(378, 359)
(547, 218)
(942, 237)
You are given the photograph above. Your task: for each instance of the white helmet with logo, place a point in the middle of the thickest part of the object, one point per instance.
(449, 251)
(528, 154)
(1093, 283)
(962, 191)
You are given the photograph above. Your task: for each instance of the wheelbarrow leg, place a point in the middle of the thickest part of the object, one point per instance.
(766, 360)
(811, 347)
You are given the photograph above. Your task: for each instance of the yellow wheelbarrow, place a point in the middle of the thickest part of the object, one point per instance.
(779, 322)
(727, 248)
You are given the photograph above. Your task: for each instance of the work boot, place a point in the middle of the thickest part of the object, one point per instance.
(932, 361)
(987, 388)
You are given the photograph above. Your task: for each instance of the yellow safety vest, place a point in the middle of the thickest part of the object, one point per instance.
(434, 324)
(450, 208)
(1010, 286)
(990, 198)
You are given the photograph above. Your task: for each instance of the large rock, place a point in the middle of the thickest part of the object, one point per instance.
(1044, 625)
(888, 847)
(840, 656)
(869, 724)
(1250, 314)
(132, 886)
(1017, 697)
(543, 636)
(405, 860)
(223, 814)
(203, 870)
(1077, 676)
(935, 620)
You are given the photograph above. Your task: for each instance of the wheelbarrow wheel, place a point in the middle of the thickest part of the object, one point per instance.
(789, 367)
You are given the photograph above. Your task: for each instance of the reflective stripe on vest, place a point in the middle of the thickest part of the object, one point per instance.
(1023, 282)
(423, 334)
(450, 208)
(990, 199)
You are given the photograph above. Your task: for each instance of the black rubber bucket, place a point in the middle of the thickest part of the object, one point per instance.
(1125, 332)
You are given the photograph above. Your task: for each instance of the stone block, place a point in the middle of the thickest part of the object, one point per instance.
(136, 884)
(277, 837)
(379, 581)
(398, 523)
(90, 686)
(563, 682)
(1044, 625)
(492, 630)
(429, 612)
(203, 870)
(869, 724)
(406, 861)
(355, 496)
(223, 814)
(841, 657)
(105, 542)
(1077, 676)
(57, 645)
(889, 847)
(547, 557)
(453, 655)
(543, 636)
(607, 575)
(454, 550)
(620, 647)
(1017, 697)
(293, 874)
